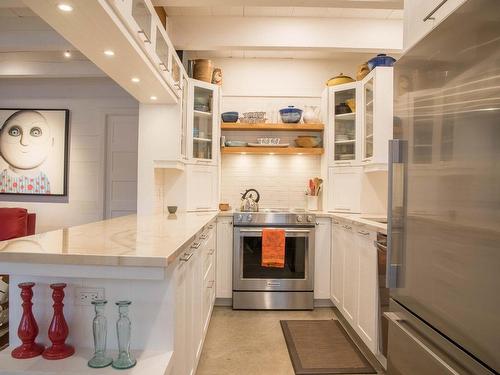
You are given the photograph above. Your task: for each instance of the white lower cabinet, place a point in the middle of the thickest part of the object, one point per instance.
(336, 266)
(202, 192)
(322, 259)
(344, 189)
(367, 314)
(350, 275)
(194, 298)
(224, 284)
(354, 284)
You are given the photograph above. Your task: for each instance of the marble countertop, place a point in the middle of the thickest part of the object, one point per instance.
(141, 241)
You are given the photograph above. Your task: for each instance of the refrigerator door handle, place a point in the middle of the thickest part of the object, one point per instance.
(395, 211)
(394, 319)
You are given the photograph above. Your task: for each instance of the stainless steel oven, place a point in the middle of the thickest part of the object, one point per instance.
(258, 287)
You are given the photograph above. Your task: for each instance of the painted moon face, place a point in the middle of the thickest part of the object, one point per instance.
(25, 140)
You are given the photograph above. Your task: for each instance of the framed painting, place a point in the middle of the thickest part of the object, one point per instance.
(34, 146)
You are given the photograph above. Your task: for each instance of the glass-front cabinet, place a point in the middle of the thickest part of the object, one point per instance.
(202, 121)
(344, 138)
(145, 26)
(368, 119)
(377, 118)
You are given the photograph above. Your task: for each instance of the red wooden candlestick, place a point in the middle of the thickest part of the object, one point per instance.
(58, 330)
(28, 329)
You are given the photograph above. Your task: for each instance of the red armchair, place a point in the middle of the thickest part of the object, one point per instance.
(16, 222)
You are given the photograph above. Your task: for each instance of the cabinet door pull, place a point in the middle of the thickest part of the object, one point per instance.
(347, 227)
(363, 232)
(336, 222)
(204, 236)
(429, 16)
(146, 39)
(211, 252)
(186, 257)
(195, 245)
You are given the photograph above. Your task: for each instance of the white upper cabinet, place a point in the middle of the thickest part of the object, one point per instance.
(144, 25)
(377, 115)
(203, 115)
(421, 16)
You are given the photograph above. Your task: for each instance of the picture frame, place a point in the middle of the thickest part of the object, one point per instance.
(34, 152)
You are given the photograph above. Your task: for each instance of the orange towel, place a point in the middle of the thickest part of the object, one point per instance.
(273, 248)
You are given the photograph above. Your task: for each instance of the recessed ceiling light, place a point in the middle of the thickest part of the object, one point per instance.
(135, 79)
(67, 54)
(153, 97)
(109, 52)
(65, 7)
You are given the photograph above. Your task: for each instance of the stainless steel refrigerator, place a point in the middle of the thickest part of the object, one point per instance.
(444, 210)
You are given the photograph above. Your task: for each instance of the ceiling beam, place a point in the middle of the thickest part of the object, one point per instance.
(198, 33)
(370, 4)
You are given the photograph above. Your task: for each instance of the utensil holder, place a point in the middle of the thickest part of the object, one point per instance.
(312, 202)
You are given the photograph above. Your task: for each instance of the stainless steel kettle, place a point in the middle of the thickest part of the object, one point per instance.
(250, 201)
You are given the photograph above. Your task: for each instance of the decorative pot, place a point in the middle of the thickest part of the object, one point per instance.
(339, 80)
(311, 114)
(381, 60)
(290, 115)
(363, 71)
(203, 70)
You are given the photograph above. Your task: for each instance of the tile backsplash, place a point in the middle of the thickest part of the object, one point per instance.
(280, 179)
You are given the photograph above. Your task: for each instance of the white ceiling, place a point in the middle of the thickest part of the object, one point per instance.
(30, 47)
(374, 4)
(253, 11)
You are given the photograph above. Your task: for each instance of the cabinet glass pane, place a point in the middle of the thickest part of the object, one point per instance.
(176, 72)
(162, 50)
(202, 123)
(345, 125)
(368, 93)
(184, 117)
(142, 16)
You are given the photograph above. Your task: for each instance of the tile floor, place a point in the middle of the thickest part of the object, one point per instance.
(250, 342)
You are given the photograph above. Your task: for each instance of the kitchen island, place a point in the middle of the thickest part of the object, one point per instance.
(157, 262)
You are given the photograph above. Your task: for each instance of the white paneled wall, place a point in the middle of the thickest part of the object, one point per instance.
(280, 179)
(89, 101)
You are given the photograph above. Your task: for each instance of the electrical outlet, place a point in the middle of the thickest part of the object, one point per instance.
(85, 296)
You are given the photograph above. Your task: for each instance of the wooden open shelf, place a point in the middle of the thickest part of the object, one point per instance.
(273, 150)
(271, 126)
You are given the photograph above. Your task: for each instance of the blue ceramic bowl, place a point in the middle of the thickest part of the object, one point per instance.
(290, 115)
(381, 60)
(230, 116)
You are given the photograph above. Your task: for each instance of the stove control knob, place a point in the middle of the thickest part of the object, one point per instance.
(239, 218)
(299, 219)
(249, 217)
(309, 219)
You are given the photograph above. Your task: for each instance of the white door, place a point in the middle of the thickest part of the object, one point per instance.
(121, 165)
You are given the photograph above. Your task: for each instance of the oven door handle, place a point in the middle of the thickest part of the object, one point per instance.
(286, 230)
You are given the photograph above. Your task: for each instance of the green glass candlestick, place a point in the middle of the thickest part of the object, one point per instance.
(123, 331)
(100, 328)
